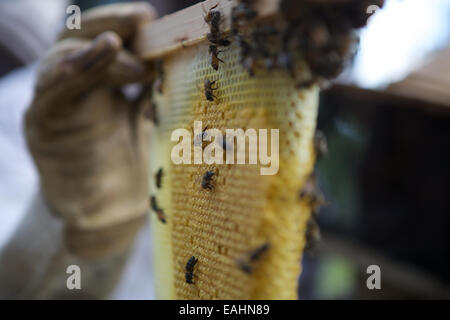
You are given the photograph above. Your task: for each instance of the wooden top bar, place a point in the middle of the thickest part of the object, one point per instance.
(187, 27)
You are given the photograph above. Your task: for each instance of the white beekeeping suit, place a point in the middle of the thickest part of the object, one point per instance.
(27, 30)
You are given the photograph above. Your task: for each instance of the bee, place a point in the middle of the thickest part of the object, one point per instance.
(200, 137)
(312, 235)
(151, 112)
(320, 144)
(209, 90)
(206, 180)
(189, 275)
(214, 57)
(245, 263)
(217, 39)
(245, 266)
(158, 177)
(213, 19)
(159, 212)
(258, 252)
(312, 194)
(158, 84)
(145, 102)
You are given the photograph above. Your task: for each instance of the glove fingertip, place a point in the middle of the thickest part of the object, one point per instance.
(101, 52)
(144, 12)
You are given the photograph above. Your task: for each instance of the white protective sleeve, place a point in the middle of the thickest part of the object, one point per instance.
(34, 262)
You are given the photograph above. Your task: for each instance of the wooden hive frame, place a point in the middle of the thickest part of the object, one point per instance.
(187, 27)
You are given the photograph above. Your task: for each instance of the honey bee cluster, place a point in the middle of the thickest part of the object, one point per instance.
(247, 262)
(216, 38)
(324, 32)
(321, 33)
(151, 111)
(189, 274)
(159, 212)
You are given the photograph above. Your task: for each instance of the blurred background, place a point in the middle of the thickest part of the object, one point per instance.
(386, 178)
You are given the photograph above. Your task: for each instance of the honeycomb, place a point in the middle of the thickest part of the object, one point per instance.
(245, 209)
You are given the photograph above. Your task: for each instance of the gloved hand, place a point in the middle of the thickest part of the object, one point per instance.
(87, 139)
